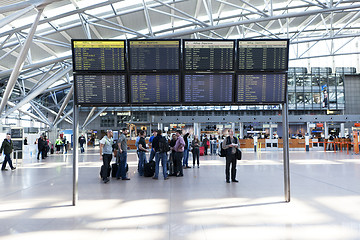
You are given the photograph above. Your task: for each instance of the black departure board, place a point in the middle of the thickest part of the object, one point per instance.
(263, 55)
(155, 88)
(208, 88)
(100, 89)
(150, 55)
(93, 55)
(202, 55)
(261, 88)
(16, 133)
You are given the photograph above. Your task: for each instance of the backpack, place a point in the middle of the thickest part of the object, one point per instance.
(164, 145)
(223, 152)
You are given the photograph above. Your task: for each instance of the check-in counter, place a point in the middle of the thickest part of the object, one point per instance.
(247, 143)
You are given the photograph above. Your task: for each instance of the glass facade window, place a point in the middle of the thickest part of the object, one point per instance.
(316, 91)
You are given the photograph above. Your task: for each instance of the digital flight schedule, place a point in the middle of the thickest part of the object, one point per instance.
(100, 89)
(154, 55)
(208, 88)
(90, 55)
(261, 88)
(209, 55)
(155, 88)
(264, 55)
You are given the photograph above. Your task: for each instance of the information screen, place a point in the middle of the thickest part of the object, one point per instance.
(18, 145)
(263, 55)
(91, 55)
(209, 55)
(154, 55)
(208, 88)
(155, 89)
(100, 89)
(261, 88)
(16, 133)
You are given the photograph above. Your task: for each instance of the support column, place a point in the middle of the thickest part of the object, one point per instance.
(233, 127)
(197, 129)
(326, 130)
(160, 126)
(241, 129)
(308, 128)
(75, 155)
(342, 130)
(271, 131)
(19, 62)
(286, 150)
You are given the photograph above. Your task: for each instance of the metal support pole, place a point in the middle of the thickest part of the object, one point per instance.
(19, 62)
(286, 150)
(75, 155)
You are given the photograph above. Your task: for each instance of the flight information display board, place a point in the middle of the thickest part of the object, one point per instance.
(261, 88)
(92, 55)
(208, 88)
(150, 55)
(100, 89)
(155, 88)
(263, 55)
(202, 55)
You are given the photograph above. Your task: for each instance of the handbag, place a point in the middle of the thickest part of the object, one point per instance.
(238, 154)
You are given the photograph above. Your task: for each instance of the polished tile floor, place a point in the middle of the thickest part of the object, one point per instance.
(36, 200)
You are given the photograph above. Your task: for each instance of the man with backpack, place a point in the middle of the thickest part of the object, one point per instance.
(179, 153)
(230, 144)
(161, 146)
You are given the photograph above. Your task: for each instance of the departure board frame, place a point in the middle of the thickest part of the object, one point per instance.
(233, 59)
(159, 70)
(100, 104)
(94, 41)
(232, 75)
(238, 53)
(260, 102)
(130, 94)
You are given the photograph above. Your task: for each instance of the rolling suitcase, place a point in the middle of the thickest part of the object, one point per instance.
(202, 150)
(114, 169)
(149, 169)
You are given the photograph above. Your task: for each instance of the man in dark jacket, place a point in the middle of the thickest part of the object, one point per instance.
(41, 147)
(7, 147)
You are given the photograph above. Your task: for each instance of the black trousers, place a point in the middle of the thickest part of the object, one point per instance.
(106, 161)
(230, 159)
(196, 154)
(178, 159)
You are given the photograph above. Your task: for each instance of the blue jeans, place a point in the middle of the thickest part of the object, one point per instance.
(186, 157)
(121, 172)
(163, 158)
(7, 159)
(152, 154)
(142, 160)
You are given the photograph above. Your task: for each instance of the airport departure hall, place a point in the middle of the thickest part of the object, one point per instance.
(179, 119)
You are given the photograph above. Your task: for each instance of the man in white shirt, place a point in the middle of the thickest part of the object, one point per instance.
(106, 154)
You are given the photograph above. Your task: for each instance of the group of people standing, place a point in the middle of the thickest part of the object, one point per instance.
(159, 147)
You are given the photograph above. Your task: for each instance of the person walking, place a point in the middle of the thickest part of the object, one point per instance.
(82, 141)
(7, 147)
(122, 156)
(206, 144)
(230, 144)
(196, 150)
(106, 154)
(179, 153)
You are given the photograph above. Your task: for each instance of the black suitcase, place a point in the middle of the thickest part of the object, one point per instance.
(170, 166)
(149, 169)
(114, 169)
(102, 171)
